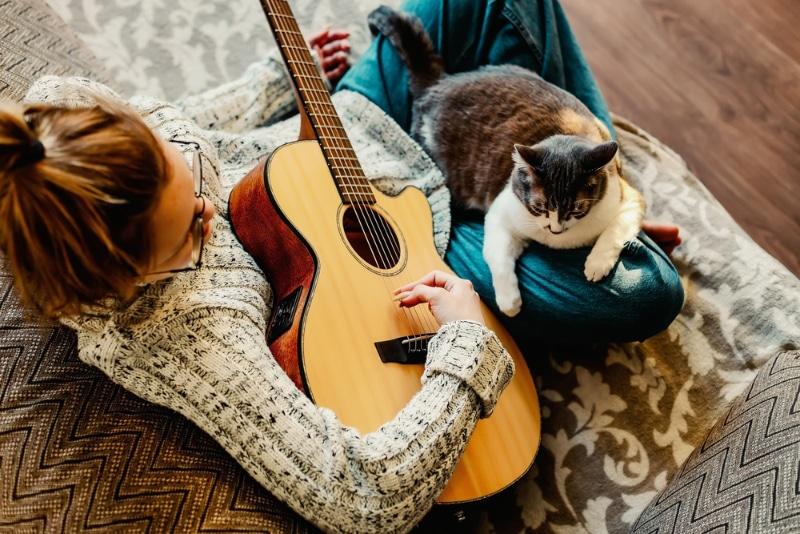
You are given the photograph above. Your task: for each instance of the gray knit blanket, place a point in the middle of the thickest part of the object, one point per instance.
(619, 421)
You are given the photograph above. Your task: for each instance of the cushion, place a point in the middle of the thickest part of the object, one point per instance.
(744, 476)
(34, 41)
(78, 452)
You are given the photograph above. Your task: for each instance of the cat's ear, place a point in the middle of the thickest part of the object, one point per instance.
(528, 155)
(599, 156)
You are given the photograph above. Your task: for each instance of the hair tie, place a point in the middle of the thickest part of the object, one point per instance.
(32, 153)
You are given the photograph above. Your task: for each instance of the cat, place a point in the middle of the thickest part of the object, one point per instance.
(527, 153)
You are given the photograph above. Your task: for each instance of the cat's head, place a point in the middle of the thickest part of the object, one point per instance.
(561, 178)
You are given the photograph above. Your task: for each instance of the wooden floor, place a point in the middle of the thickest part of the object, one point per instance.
(719, 82)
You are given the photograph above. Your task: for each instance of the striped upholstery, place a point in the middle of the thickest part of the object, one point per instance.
(35, 41)
(745, 477)
(78, 452)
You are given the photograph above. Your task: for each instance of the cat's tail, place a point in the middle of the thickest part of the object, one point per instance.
(412, 43)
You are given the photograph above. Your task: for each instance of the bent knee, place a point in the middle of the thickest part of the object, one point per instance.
(647, 299)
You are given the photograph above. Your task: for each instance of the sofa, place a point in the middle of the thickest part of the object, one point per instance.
(694, 429)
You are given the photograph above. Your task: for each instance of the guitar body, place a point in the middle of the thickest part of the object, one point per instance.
(289, 215)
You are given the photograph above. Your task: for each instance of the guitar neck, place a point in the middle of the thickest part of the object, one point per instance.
(315, 102)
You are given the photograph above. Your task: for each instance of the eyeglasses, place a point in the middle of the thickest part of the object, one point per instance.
(197, 225)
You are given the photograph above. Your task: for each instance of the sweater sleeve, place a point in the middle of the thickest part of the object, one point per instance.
(262, 95)
(216, 369)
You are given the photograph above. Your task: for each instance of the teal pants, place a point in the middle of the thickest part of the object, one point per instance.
(642, 294)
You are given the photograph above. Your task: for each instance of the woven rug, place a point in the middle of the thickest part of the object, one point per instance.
(617, 422)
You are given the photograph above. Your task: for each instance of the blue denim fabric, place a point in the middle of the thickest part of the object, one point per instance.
(471, 33)
(643, 294)
(640, 296)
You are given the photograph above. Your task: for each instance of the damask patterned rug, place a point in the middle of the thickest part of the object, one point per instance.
(618, 421)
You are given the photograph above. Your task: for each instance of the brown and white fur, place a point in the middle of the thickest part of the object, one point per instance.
(526, 152)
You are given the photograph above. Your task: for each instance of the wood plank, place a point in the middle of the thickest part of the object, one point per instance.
(717, 83)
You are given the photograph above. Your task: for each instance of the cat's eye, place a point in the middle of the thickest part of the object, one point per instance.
(538, 208)
(579, 212)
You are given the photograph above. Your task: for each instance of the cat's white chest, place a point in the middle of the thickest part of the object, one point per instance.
(610, 223)
(582, 232)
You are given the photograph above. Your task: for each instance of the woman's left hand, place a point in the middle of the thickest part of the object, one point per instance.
(333, 50)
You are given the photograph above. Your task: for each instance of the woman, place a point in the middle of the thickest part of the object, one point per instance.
(106, 218)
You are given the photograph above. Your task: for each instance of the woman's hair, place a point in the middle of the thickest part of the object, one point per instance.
(78, 188)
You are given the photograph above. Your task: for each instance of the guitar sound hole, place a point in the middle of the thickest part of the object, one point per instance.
(371, 237)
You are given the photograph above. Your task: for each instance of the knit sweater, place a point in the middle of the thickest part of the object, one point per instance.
(195, 342)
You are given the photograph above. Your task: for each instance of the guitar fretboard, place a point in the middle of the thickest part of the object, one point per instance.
(316, 102)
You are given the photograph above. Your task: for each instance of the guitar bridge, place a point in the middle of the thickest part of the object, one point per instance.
(409, 349)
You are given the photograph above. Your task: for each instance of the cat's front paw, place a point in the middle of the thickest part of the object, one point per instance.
(599, 264)
(508, 300)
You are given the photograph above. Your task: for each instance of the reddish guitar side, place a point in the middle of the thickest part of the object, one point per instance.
(333, 248)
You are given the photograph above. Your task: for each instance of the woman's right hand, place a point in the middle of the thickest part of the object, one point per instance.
(449, 297)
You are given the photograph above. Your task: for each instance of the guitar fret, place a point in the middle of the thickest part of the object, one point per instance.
(308, 77)
(298, 62)
(345, 149)
(339, 168)
(323, 114)
(327, 104)
(355, 186)
(359, 182)
(359, 173)
(281, 15)
(361, 198)
(351, 156)
(332, 125)
(293, 47)
(322, 91)
(335, 127)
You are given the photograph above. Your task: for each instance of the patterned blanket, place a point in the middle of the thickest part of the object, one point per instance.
(618, 421)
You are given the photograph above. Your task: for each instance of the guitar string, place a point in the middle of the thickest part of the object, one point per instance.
(375, 223)
(377, 226)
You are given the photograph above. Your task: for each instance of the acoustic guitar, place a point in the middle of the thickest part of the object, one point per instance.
(333, 249)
